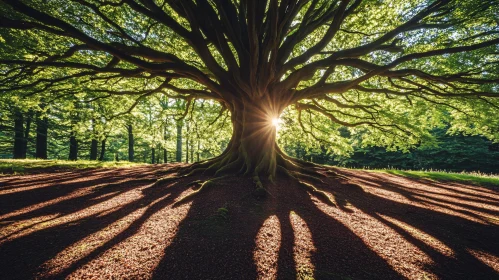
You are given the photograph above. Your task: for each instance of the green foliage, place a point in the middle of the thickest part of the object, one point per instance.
(153, 120)
(441, 152)
(447, 152)
(385, 74)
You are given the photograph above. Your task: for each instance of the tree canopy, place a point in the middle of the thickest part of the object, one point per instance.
(387, 71)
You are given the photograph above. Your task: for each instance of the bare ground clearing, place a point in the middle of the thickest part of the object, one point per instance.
(104, 223)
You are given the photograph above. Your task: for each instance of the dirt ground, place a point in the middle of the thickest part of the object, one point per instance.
(113, 224)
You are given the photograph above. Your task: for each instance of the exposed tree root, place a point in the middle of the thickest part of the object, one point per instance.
(300, 175)
(235, 162)
(165, 180)
(314, 190)
(202, 187)
(132, 181)
(260, 191)
(322, 195)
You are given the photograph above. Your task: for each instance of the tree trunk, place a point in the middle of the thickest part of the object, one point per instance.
(94, 143)
(93, 149)
(165, 137)
(197, 151)
(18, 135)
(253, 142)
(179, 141)
(192, 151)
(26, 133)
(73, 146)
(152, 156)
(187, 150)
(41, 137)
(187, 146)
(102, 149)
(252, 149)
(130, 143)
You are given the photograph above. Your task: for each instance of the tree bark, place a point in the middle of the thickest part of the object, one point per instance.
(18, 135)
(130, 143)
(180, 124)
(254, 138)
(102, 149)
(197, 151)
(153, 161)
(192, 150)
(252, 149)
(187, 145)
(27, 130)
(187, 150)
(93, 149)
(94, 143)
(165, 155)
(73, 146)
(41, 137)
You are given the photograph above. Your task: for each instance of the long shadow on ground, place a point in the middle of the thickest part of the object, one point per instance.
(379, 227)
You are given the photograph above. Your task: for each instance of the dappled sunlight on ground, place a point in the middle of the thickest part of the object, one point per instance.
(486, 258)
(420, 235)
(303, 248)
(105, 224)
(104, 207)
(475, 204)
(138, 255)
(85, 246)
(266, 254)
(403, 256)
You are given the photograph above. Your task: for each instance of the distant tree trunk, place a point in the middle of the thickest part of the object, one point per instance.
(179, 141)
(187, 145)
(152, 156)
(41, 137)
(26, 133)
(165, 152)
(197, 151)
(130, 142)
(102, 149)
(93, 149)
(94, 143)
(18, 135)
(192, 150)
(187, 150)
(297, 153)
(73, 146)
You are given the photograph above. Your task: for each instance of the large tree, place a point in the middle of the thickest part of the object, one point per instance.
(390, 67)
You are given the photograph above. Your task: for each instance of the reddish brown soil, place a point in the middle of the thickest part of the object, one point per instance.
(73, 224)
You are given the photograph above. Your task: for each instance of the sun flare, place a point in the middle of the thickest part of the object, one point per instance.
(276, 122)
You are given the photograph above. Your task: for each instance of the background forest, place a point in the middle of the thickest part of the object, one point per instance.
(160, 129)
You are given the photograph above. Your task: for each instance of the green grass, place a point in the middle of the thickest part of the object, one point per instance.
(21, 166)
(475, 178)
